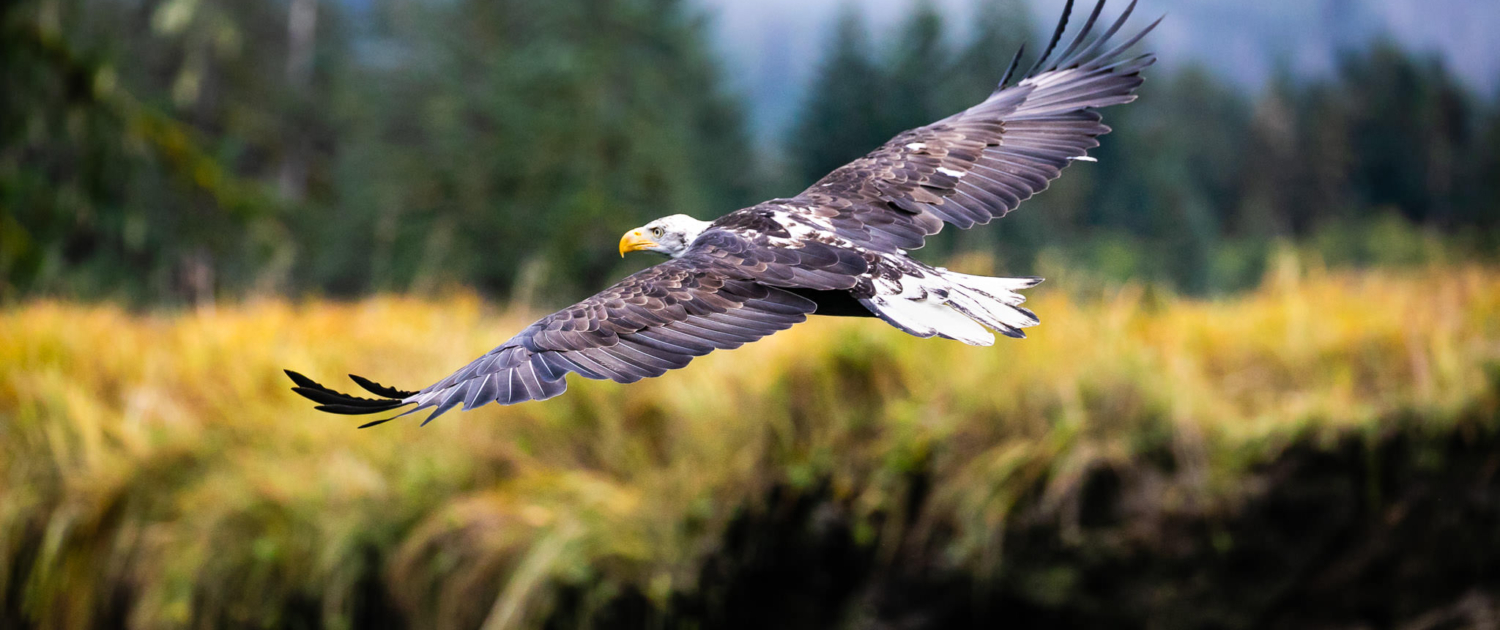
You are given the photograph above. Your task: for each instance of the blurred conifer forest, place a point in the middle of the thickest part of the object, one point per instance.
(183, 150)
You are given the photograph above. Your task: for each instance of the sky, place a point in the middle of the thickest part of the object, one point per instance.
(771, 47)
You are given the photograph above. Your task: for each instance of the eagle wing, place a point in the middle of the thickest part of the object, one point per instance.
(981, 163)
(737, 283)
(723, 292)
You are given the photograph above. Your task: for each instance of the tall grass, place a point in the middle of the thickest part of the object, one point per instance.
(156, 465)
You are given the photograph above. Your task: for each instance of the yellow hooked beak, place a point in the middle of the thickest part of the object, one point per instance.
(634, 241)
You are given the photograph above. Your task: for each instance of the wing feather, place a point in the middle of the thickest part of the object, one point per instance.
(731, 287)
(651, 322)
(981, 163)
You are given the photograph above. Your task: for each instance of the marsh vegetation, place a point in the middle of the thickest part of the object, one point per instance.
(1143, 459)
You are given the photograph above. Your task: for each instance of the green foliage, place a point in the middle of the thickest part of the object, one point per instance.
(1199, 179)
(177, 150)
(1411, 126)
(842, 120)
(861, 97)
(1482, 190)
(527, 133)
(478, 143)
(100, 192)
(910, 95)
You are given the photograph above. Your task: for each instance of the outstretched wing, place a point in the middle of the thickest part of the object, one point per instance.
(723, 293)
(982, 162)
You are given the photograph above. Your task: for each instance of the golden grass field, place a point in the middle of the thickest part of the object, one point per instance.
(160, 456)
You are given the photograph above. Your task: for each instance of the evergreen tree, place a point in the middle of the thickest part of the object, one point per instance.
(1411, 124)
(177, 150)
(842, 118)
(998, 31)
(128, 179)
(919, 71)
(1481, 198)
(1298, 161)
(515, 141)
(1165, 178)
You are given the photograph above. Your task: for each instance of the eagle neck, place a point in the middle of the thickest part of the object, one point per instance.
(691, 233)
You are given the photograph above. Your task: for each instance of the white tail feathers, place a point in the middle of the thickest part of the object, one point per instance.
(954, 305)
(993, 302)
(927, 317)
(1000, 288)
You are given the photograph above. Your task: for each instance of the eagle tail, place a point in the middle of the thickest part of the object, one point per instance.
(993, 302)
(957, 306)
(338, 402)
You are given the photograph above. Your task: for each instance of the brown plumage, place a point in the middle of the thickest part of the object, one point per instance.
(836, 248)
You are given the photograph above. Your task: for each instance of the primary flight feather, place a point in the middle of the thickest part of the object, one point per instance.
(838, 248)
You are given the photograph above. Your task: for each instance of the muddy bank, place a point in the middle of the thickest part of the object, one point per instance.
(1400, 530)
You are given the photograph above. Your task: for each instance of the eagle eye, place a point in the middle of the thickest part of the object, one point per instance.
(656, 232)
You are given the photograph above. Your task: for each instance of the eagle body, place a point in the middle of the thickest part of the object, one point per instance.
(838, 248)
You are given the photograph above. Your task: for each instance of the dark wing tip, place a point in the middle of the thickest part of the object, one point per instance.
(378, 389)
(377, 422)
(1011, 71)
(1062, 25)
(442, 409)
(1081, 34)
(332, 401)
(300, 380)
(360, 410)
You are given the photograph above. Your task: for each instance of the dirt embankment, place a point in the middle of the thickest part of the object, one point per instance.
(1398, 531)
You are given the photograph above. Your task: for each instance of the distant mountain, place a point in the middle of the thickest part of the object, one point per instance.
(771, 47)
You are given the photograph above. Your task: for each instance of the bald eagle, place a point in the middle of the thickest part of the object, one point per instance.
(838, 248)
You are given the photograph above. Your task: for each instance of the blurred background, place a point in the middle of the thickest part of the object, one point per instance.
(184, 150)
(1276, 293)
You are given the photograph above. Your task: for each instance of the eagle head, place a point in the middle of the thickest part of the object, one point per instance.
(669, 235)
